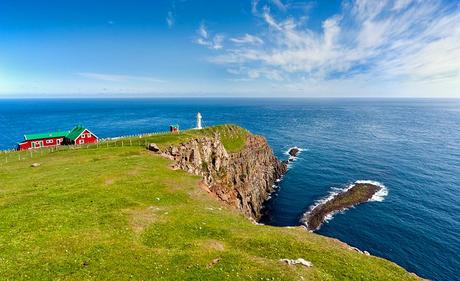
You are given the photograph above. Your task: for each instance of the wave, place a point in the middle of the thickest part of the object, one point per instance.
(332, 193)
(289, 149)
(379, 196)
(291, 158)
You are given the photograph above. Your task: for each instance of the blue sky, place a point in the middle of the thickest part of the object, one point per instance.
(318, 48)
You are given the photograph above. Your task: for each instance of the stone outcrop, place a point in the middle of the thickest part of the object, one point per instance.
(294, 151)
(297, 261)
(243, 179)
(356, 194)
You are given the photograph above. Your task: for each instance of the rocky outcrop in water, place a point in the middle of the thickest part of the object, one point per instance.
(356, 194)
(293, 152)
(242, 179)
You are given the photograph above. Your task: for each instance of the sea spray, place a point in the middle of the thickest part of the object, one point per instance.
(291, 158)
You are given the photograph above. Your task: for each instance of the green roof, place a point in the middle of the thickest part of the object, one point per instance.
(45, 135)
(75, 132)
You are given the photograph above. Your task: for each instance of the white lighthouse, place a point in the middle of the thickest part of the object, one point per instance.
(198, 121)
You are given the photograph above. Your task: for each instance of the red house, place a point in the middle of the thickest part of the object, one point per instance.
(174, 128)
(78, 135)
(42, 140)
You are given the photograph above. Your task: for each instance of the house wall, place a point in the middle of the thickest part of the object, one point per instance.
(46, 143)
(85, 138)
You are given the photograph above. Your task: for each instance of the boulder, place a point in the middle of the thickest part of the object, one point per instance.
(153, 147)
(213, 262)
(174, 151)
(294, 151)
(35, 165)
(297, 261)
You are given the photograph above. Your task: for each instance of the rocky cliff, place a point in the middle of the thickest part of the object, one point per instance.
(243, 179)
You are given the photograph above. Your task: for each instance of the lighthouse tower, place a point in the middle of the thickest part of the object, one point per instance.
(198, 121)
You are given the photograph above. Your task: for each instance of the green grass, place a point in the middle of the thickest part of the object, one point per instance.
(120, 213)
(233, 137)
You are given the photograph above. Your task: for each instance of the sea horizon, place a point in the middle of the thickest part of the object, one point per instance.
(95, 97)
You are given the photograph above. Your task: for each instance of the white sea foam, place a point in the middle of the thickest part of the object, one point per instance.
(293, 158)
(329, 217)
(379, 196)
(289, 149)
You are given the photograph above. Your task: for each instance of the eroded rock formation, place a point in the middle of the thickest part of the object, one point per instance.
(242, 179)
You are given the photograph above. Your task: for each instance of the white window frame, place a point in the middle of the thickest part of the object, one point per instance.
(82, 136)
(88, 135)
(49, 141)
(81, 141)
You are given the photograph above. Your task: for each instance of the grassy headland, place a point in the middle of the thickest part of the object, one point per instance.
(121, 213)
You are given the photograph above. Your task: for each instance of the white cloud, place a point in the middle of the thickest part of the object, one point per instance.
(247, 39)
(387, 40)
(170, 19)
(205, 39)
(269, 19)
(254, 4)
(202, 31)
(118, 77)
(279, 4)
(401, 4)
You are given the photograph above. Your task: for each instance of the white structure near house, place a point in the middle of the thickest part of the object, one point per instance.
(198, 121)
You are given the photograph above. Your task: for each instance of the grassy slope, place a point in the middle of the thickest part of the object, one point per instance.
(232, 137)
(119, 212)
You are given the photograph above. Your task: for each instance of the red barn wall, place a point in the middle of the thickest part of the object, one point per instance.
(46, 143)
(86, 137)
(24, 145)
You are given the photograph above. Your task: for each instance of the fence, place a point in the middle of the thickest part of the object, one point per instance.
(8, 156)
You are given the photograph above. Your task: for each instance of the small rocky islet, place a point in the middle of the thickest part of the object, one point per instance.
(358, 193)
(294, 151)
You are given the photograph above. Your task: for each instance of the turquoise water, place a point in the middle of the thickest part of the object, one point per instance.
(410, 146)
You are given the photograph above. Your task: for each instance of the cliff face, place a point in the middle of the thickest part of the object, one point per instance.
(242, 179)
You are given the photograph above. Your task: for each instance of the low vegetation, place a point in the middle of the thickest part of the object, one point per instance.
(233, 137)
(119, 213)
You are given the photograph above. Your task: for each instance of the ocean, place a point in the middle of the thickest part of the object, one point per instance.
(411, 146)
